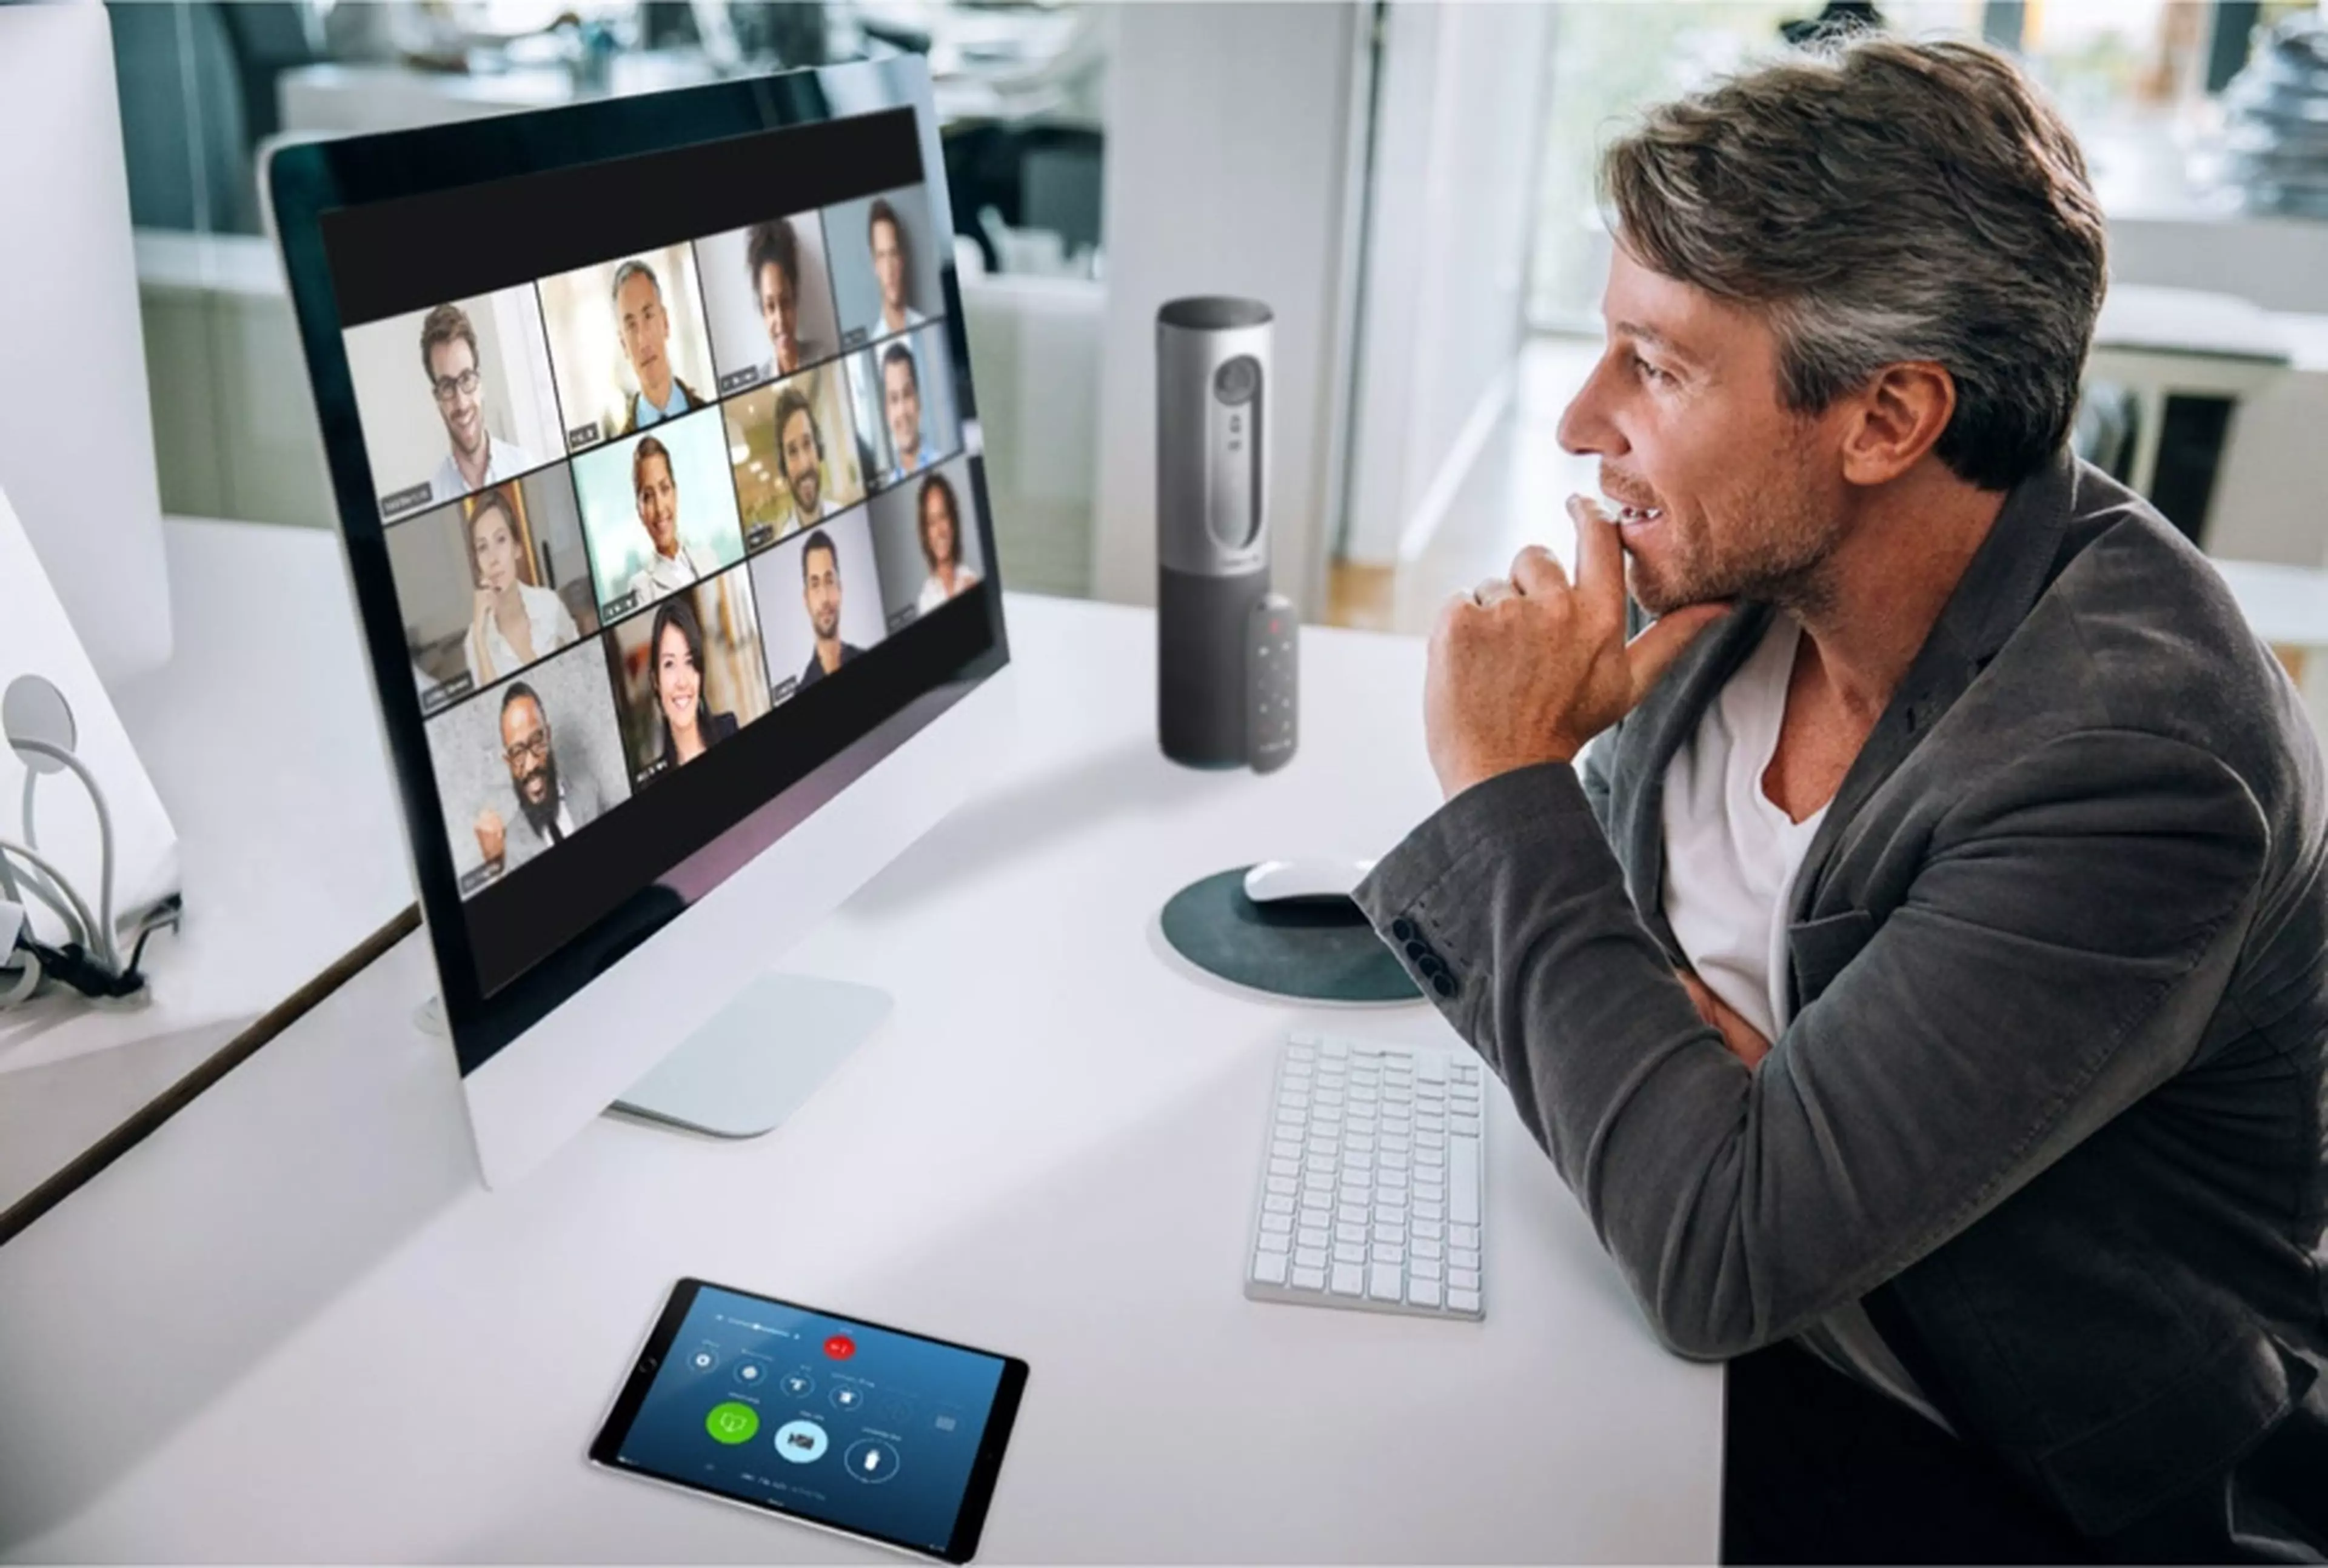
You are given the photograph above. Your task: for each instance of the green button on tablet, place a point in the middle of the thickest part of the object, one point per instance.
(732, 1422)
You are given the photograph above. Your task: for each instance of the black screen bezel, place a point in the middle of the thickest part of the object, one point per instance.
(986, 1466)
(921, 676)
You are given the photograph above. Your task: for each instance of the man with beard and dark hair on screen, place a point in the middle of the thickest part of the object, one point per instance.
(1911, 948)
(772, 254)
(821, 587)
(799, 450)
(550, 808)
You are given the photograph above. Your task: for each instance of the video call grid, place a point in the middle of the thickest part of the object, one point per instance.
(859, 343)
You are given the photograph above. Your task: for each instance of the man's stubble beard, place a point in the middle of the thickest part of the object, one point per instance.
(1777, 555)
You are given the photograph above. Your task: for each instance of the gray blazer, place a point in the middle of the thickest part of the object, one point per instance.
(520, 843)
(2053, 1099)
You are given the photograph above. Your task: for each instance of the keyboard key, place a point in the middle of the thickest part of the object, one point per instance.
(1312, 1235)
(1349, 1279)
(1347, 1232)
(1391, 1234)
(1269, 1268)
(1431, 1228)
(1431, 1065)
(1463, 1257)
(1463, 1183)
(1273, 1204)
(1383, 1283)
(1424, 1247)
(1349, 1253)
(1431, 1211)
(1308, 1257)
(1335, 1050)
(1462, 1279)
(1274, 1241)
(1463, 1235)
(1422, 1292)
(1310, 1279)
(1465, 1126)
(1285, 1149)
(1280, 1225)
(1424, 1268)
(1387, 1253)
(1463, 1300)
(1285, 1167)
(1283, 1186)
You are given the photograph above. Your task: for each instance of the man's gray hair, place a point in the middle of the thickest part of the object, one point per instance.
(630, 269)
(1879, 200)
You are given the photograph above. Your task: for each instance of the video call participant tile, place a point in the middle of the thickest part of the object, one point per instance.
(924, 543)
(820, 596)
(659, 511)
(687, 676)
(454, 398)
(884, 252)
(798, 456)
(491, 584)
(910, 381)
(769, 298)
(528, 765)
(627, 344)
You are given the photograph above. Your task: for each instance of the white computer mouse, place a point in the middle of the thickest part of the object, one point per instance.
(1310, 880)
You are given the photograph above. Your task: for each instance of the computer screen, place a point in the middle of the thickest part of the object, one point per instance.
(659, 478)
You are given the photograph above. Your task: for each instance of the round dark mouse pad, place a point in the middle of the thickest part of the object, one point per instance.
(1318, 953)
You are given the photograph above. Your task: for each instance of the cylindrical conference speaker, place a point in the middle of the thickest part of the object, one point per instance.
(1212, 520)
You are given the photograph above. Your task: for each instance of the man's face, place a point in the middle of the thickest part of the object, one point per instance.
(780, 314)
(799, 441)
(1726, 494)
(821, 587)
(658, 500)
(525, 746)
(889, 266)
(903, 400)
(460, 393)
(646, 331)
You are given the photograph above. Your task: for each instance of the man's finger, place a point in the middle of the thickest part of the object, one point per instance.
(1599, 554)
(1536, 572)
(1650, 654)
(1490, 589)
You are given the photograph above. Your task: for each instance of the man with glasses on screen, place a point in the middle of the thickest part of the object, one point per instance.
(448, 354)
(644, 325)
(550, 808)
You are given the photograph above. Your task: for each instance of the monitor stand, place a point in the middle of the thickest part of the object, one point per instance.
(757, 1061)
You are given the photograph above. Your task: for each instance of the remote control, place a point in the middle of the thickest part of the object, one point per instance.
(1272, 682)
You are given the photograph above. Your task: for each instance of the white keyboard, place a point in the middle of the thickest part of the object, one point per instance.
(1371, 1186)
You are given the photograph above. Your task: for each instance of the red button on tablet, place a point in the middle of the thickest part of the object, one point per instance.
(840, 1346)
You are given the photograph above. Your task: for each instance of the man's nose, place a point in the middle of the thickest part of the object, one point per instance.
(1585, 429)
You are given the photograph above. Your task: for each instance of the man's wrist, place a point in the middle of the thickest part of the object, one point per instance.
(1465, 775)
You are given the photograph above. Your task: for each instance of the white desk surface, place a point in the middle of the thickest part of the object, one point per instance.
(291, 1324)
(263, 741)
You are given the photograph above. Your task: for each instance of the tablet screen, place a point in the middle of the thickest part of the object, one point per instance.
(870, 1429)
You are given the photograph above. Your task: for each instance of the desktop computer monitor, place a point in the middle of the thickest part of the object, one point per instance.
(650, 427)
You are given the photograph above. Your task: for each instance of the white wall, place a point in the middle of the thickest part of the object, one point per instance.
(1231, 159)
(1456, 148)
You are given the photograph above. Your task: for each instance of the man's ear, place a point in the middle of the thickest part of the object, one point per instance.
(1895, 420)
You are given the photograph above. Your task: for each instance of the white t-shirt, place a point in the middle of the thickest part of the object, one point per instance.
(1732, 856)
(548, 622)
(933, 592)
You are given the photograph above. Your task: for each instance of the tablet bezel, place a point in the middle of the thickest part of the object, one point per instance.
(986, 1466)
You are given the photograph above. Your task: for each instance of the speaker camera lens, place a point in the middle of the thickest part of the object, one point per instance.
(1237, 381)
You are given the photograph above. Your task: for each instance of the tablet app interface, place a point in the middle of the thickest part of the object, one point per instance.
(830, 1419)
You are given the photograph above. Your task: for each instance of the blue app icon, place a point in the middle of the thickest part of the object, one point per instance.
(803, 1443)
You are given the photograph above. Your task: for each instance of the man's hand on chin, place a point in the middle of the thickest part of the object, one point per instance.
(1527, 669)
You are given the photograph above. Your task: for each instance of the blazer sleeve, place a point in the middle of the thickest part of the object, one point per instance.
(2058, 955)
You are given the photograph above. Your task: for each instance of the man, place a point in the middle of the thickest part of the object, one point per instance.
(674, 565)
(448, 356)
(1944, 1036)
(772, 253)
(887, 237)
(550, 808)
(800, 451)
(901, 402)
(820, 589)
(644, 326)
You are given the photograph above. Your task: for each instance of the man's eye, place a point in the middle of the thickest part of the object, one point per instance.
(1648, 372)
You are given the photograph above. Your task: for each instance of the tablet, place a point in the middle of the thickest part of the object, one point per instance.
(893, 1437)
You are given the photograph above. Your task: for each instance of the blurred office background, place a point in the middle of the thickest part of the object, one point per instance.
(1408, 184)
